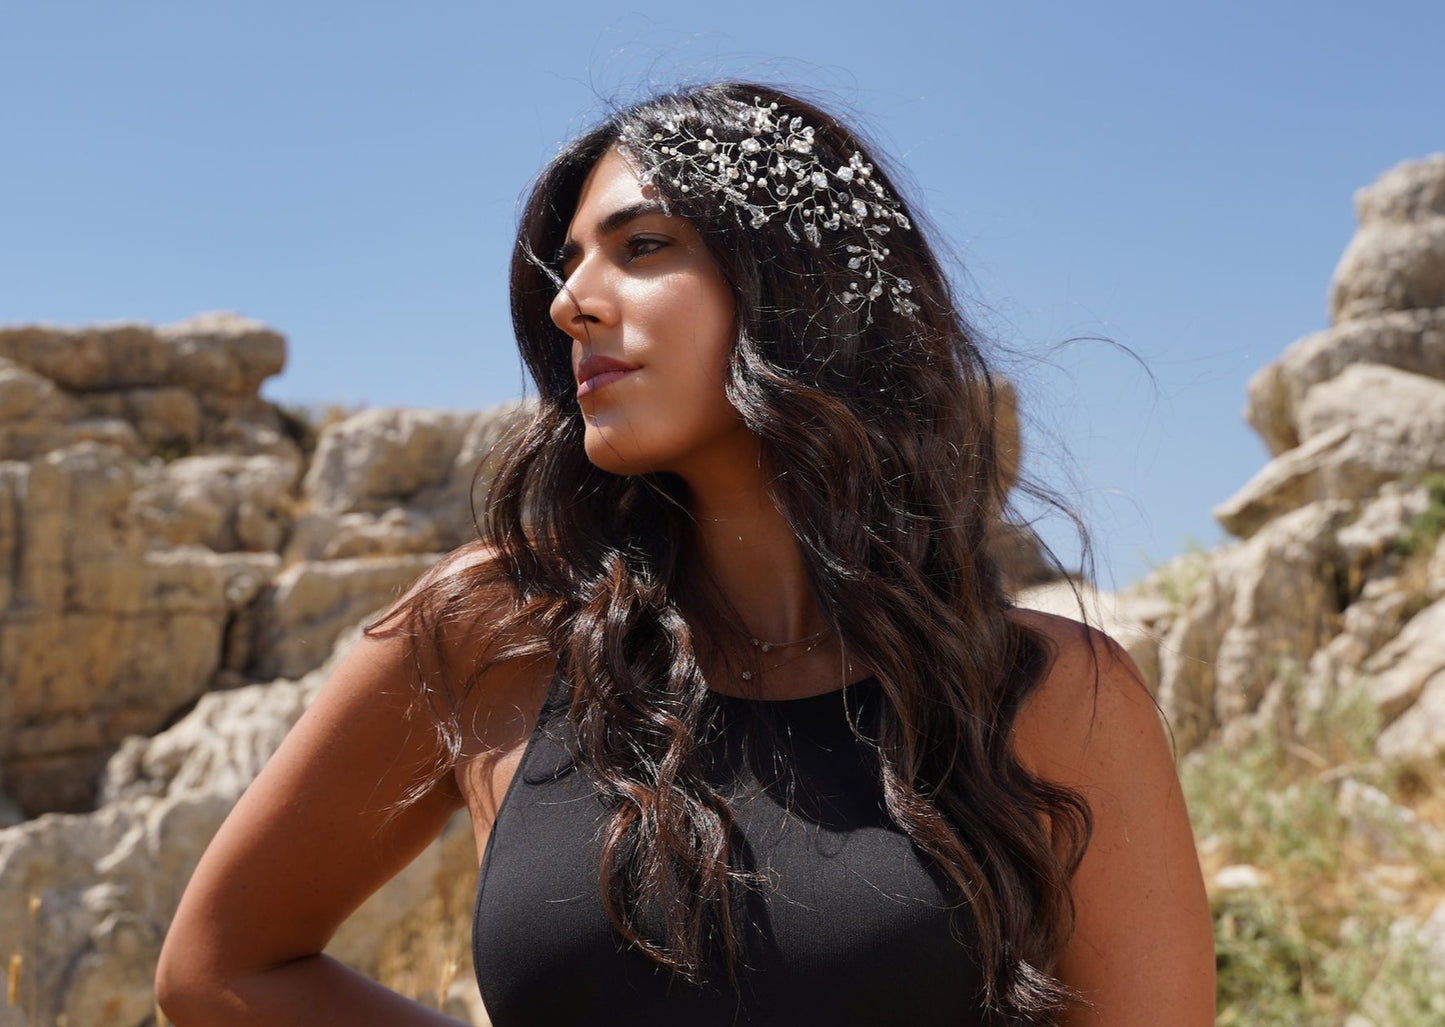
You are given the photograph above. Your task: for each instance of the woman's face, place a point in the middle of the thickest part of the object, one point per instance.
(651, 322)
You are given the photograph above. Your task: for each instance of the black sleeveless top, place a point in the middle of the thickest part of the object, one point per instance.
(850, 926)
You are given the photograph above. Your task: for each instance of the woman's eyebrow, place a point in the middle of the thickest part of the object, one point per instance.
(611, 223)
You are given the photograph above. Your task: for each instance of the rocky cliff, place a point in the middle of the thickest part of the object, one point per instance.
(1302, 666)
(165, 532)
(1338, 578)
(177, 558)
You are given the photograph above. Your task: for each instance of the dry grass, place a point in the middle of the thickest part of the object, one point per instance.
(1353, 854)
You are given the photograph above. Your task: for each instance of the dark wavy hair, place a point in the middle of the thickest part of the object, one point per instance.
(879, 436)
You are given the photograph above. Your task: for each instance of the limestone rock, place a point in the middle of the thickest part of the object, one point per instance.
(483, 447)
(1419, 732)
(1264, 608)
(222, 501)
(1396, 261)
(311, 604)
(1409, 340)
(1401, 409)
(1391, 267)
(79, 680)
(1382, 522)
(210, 353)
(1407, 682)
(105, 885)
(219, 746)
(377, 458)
(1368, 425)
(83, 359)
(35, 415)
(222, 352)
(100, 637)
(1432, 933)
(397, 532)
(391, 482)
(1435, 572)
(1411, 191)
(166, 420)
(1240, 877)
(167, 392)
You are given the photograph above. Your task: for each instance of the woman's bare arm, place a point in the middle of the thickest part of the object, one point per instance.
(1142, 952)
(314, 835)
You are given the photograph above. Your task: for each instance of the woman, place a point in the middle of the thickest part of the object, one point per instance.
(747, 727)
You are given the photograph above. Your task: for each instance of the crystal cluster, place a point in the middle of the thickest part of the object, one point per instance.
(773, 173)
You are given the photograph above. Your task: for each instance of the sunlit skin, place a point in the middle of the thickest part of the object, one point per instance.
(641, 291)
(645, 303)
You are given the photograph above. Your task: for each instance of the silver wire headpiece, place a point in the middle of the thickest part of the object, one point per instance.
(773, 173)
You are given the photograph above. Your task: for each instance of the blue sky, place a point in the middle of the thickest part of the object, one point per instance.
(1174, 178)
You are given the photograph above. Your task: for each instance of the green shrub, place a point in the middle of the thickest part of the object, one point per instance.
(1429, 524)
(1319, 941)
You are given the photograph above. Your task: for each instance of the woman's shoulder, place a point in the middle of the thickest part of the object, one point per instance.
(463, 626)
(1142, 945)
(470, 563)
(1090, 704)
(463, 598)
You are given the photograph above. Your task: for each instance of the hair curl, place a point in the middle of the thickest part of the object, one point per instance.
(879, 436)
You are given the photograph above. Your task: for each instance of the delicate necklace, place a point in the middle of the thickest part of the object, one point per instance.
(809, 642)
(768, 647)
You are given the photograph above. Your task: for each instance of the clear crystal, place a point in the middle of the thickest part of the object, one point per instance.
(773, 174)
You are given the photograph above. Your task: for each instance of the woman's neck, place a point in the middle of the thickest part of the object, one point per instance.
(751, 556)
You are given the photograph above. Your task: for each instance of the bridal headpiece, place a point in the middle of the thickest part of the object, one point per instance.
(772, 173)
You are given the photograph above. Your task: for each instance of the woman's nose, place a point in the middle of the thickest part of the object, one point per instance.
(583, 301)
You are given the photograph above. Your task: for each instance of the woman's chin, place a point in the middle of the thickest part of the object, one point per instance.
(606, 455)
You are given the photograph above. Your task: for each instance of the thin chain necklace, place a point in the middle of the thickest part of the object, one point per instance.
(809, 642)
(768, 647)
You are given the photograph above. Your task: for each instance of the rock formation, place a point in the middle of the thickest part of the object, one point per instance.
(167, 538)
(1338, 580)
(162, 535)
(87, 898)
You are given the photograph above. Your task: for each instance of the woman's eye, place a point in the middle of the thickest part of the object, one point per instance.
(641, 246)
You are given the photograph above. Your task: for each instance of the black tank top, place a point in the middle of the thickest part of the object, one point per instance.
(853, 925)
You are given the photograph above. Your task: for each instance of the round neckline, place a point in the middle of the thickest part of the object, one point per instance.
(832, 693)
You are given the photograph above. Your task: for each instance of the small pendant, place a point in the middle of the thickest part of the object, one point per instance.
(747, 675)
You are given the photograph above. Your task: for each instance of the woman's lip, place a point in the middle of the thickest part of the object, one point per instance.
(601, 378)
